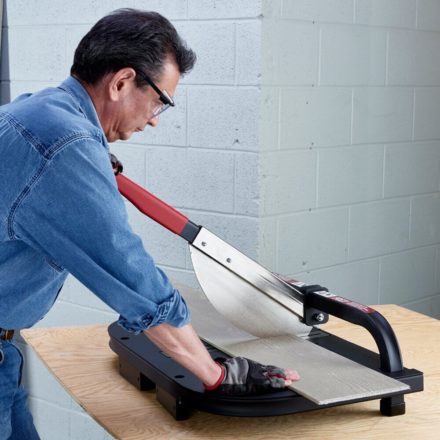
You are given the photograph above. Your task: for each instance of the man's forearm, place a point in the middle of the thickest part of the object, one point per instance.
(186, 348)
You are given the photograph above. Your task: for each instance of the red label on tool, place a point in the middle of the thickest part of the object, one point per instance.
(342, 300)
(289, 280)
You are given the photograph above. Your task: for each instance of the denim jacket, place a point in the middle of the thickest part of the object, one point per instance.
(61, 212)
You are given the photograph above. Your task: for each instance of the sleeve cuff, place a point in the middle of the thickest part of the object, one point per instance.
(173, 311)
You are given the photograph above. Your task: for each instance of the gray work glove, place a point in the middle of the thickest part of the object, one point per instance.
(243, 377)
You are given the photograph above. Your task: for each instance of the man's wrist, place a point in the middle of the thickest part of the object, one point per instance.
(219, 381)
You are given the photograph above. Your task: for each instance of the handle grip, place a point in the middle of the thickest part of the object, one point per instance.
(370, 319)
(151, 205)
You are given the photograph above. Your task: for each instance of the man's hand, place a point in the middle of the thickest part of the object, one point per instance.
(235, 376)
(241, 376)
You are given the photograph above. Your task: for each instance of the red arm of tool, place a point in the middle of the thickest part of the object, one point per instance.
(152, 206)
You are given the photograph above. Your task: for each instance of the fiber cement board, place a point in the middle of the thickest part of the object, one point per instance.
(326, 377)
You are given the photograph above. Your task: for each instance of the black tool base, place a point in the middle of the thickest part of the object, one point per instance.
(180, 392)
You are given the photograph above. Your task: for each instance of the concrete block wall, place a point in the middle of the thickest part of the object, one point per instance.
(350, 147)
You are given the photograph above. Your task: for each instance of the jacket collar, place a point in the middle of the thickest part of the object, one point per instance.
(74, 88)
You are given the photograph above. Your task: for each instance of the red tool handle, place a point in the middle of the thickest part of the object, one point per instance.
(152, 206)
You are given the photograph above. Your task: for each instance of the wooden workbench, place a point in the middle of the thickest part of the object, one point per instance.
(81, 360)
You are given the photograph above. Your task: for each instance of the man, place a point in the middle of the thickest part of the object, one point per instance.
(61, 212)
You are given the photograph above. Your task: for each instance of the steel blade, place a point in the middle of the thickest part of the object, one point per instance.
(241, 302)
(249, 270)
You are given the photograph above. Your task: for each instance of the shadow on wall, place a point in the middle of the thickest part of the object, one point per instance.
(5, 83)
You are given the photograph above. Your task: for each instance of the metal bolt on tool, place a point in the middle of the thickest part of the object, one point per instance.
(319, 317)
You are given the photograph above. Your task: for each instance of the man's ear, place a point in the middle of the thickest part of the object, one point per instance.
(120, 83)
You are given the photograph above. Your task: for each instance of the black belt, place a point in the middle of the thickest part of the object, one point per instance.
(6, 335)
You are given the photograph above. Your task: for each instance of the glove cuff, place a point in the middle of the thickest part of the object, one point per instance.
(219, 380)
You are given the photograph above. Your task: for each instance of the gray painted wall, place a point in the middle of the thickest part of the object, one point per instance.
(307, 136)
(350, 147)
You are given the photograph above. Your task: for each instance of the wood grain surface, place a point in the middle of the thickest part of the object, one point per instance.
(81, 360)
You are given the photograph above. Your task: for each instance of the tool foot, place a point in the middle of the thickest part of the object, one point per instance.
(392, 406)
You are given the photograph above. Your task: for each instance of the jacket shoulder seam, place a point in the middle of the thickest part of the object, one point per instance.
(26, 134)
(34, 179)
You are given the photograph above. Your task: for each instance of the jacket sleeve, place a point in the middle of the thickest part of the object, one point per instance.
(75, 215)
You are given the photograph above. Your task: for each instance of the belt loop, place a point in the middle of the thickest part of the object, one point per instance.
(6, 335)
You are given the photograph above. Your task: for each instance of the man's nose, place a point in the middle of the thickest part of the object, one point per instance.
(153, 121)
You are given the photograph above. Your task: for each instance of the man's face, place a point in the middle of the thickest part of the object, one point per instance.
(134, 108)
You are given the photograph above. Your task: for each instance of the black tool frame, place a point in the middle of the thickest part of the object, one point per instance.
(180, 392)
